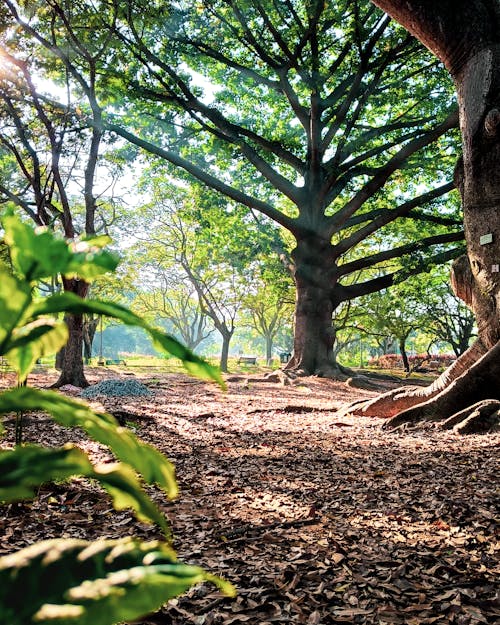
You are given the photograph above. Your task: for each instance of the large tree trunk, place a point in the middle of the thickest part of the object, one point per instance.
(314, 336)
(72, 371)
(465, 35)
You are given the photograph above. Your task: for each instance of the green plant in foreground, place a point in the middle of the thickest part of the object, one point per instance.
(66, 581)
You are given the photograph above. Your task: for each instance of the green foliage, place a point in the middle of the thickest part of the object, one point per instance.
(72, 582)
(103, 428)
(38, 254)
(67, 581)
(30, 330)
(26, 468)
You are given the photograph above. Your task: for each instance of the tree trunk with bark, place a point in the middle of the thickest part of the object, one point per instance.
(224, 356)
(89, 330)
(269, 349)
(404, 355)
(465, 35)
(72, 371)
(314, 337)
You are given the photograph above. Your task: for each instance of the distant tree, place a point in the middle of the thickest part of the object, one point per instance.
(171, 298)
(190, 237)
(446, 317)
(269, 304)
(393, 314)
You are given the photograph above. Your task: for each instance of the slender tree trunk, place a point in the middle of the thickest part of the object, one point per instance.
(89, 330)
(404, 355)
(226, 338)
(269, 350)
(72, 371)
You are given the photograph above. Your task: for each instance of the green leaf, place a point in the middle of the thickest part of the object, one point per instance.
(35, 253)
(126, 491)
(89, 261)
(101, 427)
(24, 469)
(15, 297)
(40, 253)
(69, 302)
(39, 338)
(92, 583)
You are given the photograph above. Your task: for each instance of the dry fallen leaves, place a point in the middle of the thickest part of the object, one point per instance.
(316, 520)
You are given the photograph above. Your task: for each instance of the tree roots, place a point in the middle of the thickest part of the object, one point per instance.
(469, 403)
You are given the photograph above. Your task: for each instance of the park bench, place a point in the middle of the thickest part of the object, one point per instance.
(247, 360)
(115, 361)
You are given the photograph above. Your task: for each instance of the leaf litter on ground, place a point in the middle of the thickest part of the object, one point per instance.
(315, 519)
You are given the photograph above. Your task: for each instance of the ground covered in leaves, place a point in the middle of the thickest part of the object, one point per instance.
(316, 518)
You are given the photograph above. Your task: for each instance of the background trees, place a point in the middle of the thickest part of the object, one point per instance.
(351, 114)
(51, 135)
(212, 251)
(269, 304)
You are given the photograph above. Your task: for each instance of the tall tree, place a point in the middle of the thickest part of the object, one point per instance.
(51, 129)
(189, 236)
(324, 117)
(465, 36)
(393, 313)
(269, 303)
(446, 317)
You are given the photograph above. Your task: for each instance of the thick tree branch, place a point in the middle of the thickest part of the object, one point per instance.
(343, 293)
(389, 215)
(211, 181)
(416, 215)
(390, 167)
(397, 252)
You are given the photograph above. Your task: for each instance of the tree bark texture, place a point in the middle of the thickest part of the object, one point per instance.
(72, 371)
(465, 35)
(314, 336)
(89, 330)
(224, 356)
(269, 350)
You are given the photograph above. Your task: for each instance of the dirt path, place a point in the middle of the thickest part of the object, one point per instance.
(316, 519)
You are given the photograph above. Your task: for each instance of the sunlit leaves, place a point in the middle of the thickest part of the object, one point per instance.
(92, 583)
(24, 469)
(39, 253)
(146, 460)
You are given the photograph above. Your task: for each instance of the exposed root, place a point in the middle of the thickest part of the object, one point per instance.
(479, 383)
(401, 399)
(480, 418)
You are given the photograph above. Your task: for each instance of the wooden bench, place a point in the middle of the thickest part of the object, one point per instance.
(247, 360)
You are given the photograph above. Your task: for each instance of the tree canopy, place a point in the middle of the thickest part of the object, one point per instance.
(326, 118)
